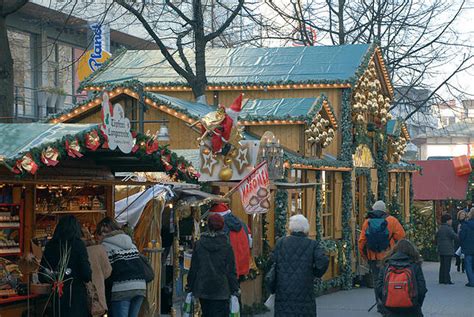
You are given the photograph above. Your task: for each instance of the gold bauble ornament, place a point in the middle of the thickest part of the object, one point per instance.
(225, 173)
(206, 151)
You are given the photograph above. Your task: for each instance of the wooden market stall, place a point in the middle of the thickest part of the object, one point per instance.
(47, 171)
(328, 107)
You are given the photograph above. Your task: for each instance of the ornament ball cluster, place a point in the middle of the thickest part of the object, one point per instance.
(369, 98)
(320, 131)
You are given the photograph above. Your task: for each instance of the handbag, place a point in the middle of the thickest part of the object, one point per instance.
(270, 302)
(270, 279)
(188, 306)
(234, 306)
(148, 272)
(95, 307)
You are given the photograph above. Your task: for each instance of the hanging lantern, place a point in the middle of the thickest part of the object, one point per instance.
(163, 134)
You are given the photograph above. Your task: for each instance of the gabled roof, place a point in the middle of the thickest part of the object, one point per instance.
(242, 66)
(254, 111)
(295, 109)
(279, 107)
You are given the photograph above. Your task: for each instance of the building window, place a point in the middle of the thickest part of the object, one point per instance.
(295, 196)
(20, 47)
(60, 69)
(327, 214)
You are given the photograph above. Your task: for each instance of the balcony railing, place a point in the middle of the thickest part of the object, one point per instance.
(36, 104)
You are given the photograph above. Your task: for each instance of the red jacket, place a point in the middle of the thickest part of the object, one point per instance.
(238, 236)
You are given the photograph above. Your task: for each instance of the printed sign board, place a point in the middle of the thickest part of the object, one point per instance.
(255, 190)
(98, 52)
(116, 126)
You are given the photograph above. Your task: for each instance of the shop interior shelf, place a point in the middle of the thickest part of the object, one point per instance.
(9, 226)
(61, 212)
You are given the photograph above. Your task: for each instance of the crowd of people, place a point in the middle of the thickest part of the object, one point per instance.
(456, 239)
(105, 275)
(110, 267)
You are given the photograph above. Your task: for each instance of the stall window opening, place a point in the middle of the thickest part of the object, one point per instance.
(327, 195)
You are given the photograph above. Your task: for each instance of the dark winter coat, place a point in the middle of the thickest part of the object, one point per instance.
(73, 302)
(297, 261)
(466, 236)
(401, 260)
(212, 274)
(445, 239)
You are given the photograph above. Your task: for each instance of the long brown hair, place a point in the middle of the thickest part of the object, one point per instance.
(406, 247)
(107, 225)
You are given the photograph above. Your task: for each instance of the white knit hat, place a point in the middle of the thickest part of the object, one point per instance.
(379, 205)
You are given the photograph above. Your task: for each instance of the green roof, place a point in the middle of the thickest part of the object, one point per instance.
(194, 109)
(18, 138)
(282, 107)
(243, 65)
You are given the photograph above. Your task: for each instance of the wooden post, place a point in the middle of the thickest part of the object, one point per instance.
(110, 201)
(29, 216)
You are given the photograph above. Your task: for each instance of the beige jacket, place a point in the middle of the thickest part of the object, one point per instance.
(101, 269)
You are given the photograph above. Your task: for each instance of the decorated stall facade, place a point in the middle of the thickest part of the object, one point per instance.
(327, 106)
(47, 171)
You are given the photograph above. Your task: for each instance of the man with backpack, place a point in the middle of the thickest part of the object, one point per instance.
(379, 234)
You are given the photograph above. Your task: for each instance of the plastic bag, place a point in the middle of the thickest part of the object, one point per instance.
(270, 302)
(458, 252)
(188, 305)
(234, 306)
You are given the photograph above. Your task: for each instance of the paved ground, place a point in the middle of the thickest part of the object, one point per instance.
(441, 300)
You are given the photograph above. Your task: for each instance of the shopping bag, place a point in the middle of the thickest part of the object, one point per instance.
(458, 252)
(188, 305)
(234, 306)
(270, 302)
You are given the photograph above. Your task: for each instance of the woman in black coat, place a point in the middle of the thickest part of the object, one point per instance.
(445, 240)
(66, 239)
(403, 255)
(297, 261)
(212, 276)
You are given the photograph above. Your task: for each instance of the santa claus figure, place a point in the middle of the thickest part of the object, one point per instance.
(222, 126)
(239, 237)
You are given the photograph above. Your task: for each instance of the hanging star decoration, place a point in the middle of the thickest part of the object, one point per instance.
(208, 162)
(241, 161)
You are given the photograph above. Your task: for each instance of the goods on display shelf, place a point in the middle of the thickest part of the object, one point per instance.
(87, 203)
(11, 229)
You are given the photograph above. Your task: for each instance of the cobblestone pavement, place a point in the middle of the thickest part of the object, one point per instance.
(441, 300)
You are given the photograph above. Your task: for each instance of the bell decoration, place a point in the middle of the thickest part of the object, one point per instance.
(73, 148)
(92, 140)
(27, 164)
(49, 156)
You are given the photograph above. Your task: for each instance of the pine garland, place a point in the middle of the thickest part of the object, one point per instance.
(281, 205)
(164, 159)
(319, 206)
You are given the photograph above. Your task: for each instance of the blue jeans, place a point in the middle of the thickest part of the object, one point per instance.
(469, 262)
(126, 308)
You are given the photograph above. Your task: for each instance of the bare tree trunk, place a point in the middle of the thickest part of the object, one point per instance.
(340, 16)
(6, 74)
(200, 81)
